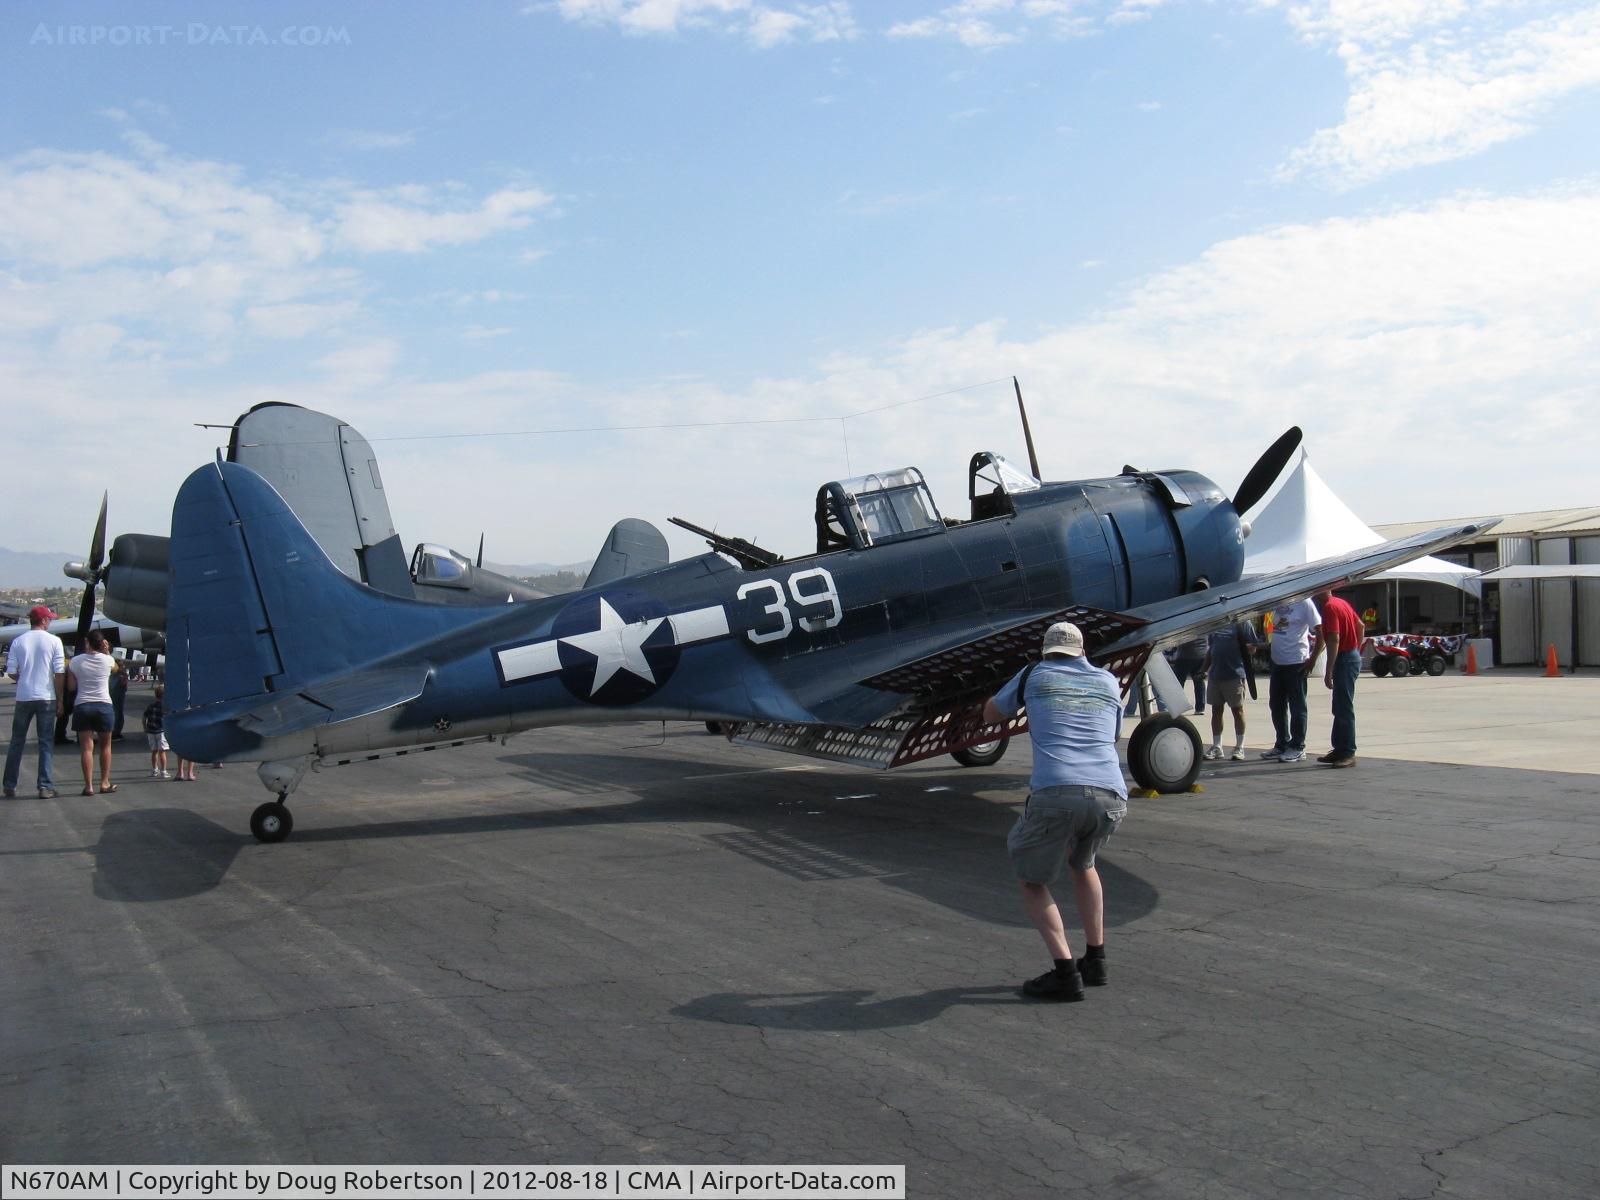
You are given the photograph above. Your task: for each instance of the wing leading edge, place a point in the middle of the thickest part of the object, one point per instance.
(1167, 622)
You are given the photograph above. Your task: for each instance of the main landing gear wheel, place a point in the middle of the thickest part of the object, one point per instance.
(1164, 754)
(981, 754)
(271, 822)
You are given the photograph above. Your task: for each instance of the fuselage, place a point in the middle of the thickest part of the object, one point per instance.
(707, 638)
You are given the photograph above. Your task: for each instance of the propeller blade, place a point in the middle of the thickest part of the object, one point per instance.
(97, 548)
(1267, 469)
(480, 552)
(85, 614)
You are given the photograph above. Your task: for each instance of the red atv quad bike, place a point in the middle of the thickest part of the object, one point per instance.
(1417, 657)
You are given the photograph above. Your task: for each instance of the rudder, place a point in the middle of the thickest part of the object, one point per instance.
(256, 607)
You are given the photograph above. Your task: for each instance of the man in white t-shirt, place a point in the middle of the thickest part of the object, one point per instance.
(1294, 645)
(37, 664)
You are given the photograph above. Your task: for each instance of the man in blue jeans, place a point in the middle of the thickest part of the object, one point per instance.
(1294, 633)
(1343, 632)
(37, 664)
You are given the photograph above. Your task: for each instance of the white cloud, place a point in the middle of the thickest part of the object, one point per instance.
(1464, 326)
(192, 255)
(1437, 80)
(371, 139)
(401, 220)
(763, 25)
(76, 210)
(298, 320)
(990, 24)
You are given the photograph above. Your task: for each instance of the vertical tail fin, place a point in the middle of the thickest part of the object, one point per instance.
(256, 607)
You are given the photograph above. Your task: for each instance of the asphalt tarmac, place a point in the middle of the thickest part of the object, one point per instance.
(610, 945)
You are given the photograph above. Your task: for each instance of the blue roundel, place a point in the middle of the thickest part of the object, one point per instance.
(615, 648)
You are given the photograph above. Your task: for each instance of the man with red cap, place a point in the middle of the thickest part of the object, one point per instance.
(37, 664)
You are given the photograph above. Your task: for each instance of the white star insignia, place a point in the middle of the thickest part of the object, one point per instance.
(616, 646)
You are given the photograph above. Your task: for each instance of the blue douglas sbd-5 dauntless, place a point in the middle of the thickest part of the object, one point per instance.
(878, 649)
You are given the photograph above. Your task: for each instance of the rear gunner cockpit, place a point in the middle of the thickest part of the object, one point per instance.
(991, 482)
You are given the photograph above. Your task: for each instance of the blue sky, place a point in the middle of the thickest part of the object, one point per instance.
(1183, 225)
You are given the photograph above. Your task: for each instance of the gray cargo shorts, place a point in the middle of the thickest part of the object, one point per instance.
(1063, 824)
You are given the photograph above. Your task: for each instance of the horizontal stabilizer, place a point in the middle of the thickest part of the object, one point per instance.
(337, 700)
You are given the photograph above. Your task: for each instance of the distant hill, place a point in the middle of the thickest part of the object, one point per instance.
(33, 568)
(533, 570)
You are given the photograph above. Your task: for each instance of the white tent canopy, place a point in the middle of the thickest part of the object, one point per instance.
(1306, 522)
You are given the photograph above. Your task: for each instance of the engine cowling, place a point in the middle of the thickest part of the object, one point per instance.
(136, 580)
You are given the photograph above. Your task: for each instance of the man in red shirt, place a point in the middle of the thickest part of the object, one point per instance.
(1342, 634)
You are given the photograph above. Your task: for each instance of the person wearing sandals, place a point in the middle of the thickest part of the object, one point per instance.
(92, 716)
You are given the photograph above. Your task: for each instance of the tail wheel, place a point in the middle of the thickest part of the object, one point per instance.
(713, 726)
(1164, 754)
(271, 822)
(981, 754)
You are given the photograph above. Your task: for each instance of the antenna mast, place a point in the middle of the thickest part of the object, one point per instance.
(1033, 459)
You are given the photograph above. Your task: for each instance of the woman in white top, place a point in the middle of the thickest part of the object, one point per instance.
(92, 715)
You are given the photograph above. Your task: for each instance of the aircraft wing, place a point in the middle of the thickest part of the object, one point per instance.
(1168, 622)
(944, 690)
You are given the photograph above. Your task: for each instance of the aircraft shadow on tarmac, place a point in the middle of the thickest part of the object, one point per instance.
(150, 854)
(925, 833)
(843, 1011)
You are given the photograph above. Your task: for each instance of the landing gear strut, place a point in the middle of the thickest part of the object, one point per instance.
(273, 822)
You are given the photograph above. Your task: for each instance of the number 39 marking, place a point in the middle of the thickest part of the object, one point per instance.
(826, 595)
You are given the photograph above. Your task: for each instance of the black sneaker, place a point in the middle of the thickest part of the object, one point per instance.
(1342, 760)
(1328, 757)
(1054, 986)
(1092, 971)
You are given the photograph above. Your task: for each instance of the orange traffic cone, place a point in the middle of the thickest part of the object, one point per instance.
(1472, 659)
(1551, 670)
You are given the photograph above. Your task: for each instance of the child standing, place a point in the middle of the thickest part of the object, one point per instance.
(155, 722)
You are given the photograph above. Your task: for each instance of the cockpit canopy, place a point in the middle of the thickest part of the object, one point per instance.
(440, 566)
(871, 510)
